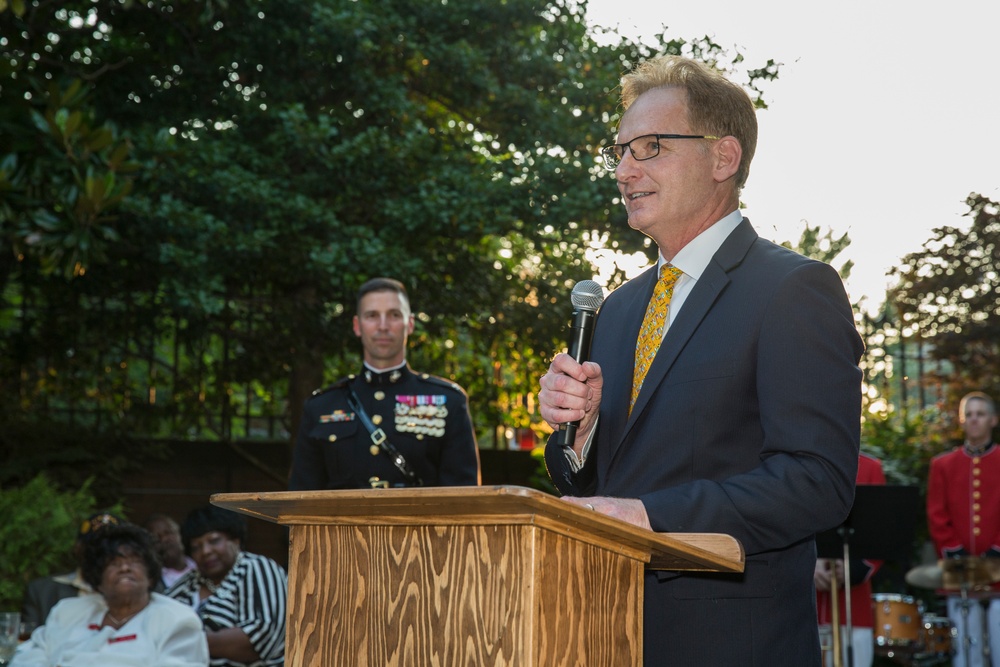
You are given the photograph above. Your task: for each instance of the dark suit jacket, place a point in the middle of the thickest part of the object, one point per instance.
(748, 423)
(41, 595)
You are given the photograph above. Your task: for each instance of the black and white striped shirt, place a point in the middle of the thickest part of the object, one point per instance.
(252, 597)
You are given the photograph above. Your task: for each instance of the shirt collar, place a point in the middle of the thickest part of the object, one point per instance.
(383, 370)
(385, 375)
(695, 256)
(74, 579)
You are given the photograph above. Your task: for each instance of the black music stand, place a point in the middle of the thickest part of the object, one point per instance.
(881, 525)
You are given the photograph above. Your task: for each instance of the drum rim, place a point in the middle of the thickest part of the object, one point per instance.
(894, 597)
(890, 641)
(937, 621)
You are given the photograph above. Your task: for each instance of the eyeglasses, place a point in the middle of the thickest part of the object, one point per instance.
(645, 147)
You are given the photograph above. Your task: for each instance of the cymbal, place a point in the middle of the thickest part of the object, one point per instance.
(969, 572)
(926, 576)
(953, 574)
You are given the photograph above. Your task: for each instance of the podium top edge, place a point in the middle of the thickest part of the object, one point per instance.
(484, 505)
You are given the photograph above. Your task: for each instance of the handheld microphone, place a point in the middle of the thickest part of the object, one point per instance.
(587, 297)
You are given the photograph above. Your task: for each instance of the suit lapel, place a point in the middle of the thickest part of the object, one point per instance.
(619, 385)
(697, 305)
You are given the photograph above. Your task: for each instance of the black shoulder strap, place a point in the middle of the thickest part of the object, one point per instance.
(379, 439)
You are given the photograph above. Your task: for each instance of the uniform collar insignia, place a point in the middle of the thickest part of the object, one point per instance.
(393, 376)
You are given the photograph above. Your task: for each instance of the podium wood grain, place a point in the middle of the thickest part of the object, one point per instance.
(467, 576)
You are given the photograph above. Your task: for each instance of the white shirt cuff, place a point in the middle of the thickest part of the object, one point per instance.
(576, 462)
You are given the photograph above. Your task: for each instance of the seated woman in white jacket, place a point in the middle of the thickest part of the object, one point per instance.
(127, 625)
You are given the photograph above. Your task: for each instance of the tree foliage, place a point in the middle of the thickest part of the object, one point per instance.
(41, 521)
(214, 180)
(823, 247)
(948, 293)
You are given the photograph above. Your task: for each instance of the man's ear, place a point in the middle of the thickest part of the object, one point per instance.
(728, 153)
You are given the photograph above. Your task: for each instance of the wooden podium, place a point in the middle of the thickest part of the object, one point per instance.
(501, 575)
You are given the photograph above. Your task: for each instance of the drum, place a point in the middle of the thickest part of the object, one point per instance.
(937, 639)
(898, 623)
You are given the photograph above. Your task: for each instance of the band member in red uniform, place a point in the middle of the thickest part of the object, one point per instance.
(963, 514)
(862, 620)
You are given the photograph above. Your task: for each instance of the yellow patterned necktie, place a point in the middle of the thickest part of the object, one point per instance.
(651, 333)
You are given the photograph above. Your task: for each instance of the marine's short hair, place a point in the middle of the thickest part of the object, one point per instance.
(382, 285)
(976, 396)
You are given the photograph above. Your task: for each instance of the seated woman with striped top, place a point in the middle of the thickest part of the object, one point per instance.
(239, 596)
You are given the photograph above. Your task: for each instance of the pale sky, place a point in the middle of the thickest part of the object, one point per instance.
(885, 116)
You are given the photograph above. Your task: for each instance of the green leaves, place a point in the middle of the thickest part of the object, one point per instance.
(40, 524)
(62, 179)
(16, 6)
(949, 294)
(216, 179)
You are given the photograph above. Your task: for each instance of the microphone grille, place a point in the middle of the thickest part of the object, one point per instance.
(587, 295)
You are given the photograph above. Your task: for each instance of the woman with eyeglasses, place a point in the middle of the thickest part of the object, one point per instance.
(239, 596)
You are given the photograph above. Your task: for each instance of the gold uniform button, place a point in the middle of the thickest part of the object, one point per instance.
(975, 483)
(975, 531)
(976, 471)
(374, 450)
(379, 395)
(376, 419)
(975, 518)
(976, 494)
(332, 438)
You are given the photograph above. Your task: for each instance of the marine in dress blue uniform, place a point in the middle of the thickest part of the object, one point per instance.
(424, 417)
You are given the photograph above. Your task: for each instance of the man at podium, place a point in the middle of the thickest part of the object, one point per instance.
(746, 420)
